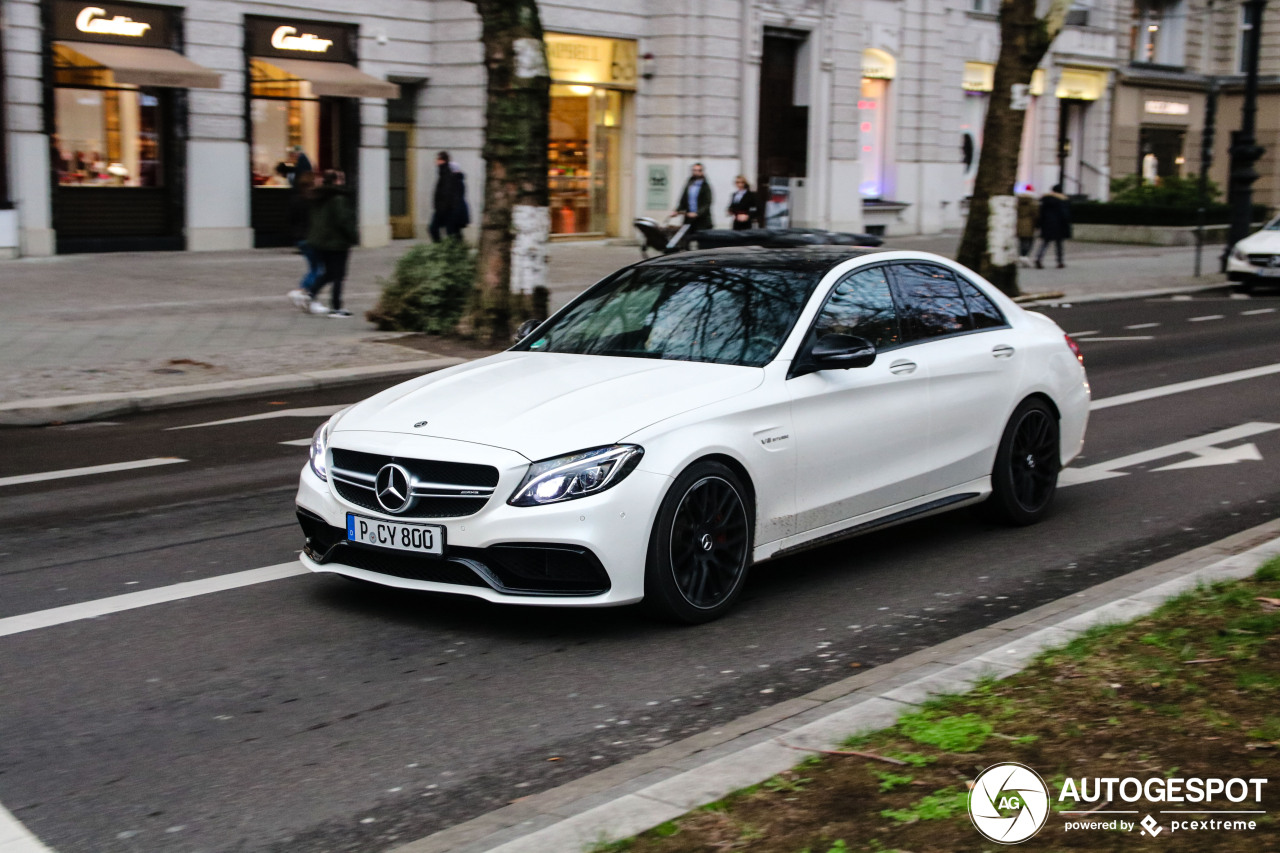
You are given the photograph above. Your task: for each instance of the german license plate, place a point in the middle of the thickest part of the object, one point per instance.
(1269, 272)
(418, 538)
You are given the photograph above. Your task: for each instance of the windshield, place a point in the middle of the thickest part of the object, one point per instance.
(1273, 225)
(706, 312)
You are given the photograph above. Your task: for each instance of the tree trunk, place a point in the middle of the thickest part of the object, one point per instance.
(516, 219)
(1024, 40)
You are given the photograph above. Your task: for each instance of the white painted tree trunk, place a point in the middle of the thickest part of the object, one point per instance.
(531, 230)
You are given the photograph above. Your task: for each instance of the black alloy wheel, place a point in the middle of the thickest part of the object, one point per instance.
(1028, 460)
(700, 548)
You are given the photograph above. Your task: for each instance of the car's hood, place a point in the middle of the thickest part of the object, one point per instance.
(1262, 242)
(545, 404)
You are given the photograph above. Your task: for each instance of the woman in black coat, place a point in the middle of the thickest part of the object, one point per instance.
(1055, 224)
(744, 208)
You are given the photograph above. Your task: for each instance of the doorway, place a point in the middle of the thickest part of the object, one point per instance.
(782, 142)
(402, 120)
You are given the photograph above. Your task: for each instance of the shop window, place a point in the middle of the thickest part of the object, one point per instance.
(1156, 34)
(871, 135)
(584, 157)
(108, 135)
(286, 116)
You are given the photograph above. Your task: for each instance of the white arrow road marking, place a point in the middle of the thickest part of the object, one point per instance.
(1180, 387)
(16, 838)
(310, 412)
(1218, 456)
(145, 598)
(84, 472)
(1110, 470)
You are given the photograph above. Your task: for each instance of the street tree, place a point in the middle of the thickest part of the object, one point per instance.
(517, 219)
(988, 244)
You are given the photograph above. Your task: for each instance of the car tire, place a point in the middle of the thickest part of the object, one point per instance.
(700, 547)
(1025, 477)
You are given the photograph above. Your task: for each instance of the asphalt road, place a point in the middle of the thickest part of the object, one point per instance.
(315, 714)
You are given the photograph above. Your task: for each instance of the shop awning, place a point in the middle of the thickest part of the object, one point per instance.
(147, 66)
(335, 79)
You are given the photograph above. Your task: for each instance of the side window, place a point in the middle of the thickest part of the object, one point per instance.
(861, 304)
(984, 312)
(932, 305)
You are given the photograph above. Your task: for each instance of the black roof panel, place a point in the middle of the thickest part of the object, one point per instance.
(804, 259)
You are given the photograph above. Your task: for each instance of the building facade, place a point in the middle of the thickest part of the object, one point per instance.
(1173, 54)
(175, 125)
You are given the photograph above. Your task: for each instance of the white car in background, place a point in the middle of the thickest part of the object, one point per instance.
(1256, 259)
(694, 414)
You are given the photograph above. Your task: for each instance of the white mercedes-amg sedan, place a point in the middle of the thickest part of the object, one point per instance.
(692, 415)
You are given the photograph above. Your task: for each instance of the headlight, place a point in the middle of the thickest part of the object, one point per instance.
(576, 475)
(1239, 255)
(320, 450)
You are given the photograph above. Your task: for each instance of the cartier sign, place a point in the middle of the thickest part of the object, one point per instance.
(315, 40)
(287, 38)
(93, 19)
(116, 23)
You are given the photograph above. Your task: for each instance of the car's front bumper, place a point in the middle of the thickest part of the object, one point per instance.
(586, 552)
(1238, 270)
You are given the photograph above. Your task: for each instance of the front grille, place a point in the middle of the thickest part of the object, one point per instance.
(514, 569)
(1261, 260)
(441, 489)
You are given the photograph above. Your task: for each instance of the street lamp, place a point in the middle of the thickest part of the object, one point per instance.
(1245, 150)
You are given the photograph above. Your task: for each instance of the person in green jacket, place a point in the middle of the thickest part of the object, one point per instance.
(332, 234)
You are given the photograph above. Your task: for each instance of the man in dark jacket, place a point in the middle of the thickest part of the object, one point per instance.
(450, 212)
(1055, 224)
(332, 234)
(695, 201)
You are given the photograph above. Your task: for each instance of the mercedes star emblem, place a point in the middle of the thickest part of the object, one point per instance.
(419, 424)
(392, 488)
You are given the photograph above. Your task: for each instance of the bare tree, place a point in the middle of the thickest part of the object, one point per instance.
(516, 220)
(1024, 39)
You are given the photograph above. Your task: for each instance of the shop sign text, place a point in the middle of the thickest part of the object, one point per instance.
(92, 19)
(286, 38)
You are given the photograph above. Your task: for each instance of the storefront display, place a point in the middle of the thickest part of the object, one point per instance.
(117, 94)
(303, 111)
(592, 79)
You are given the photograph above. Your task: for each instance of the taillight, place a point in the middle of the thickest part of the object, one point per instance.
(1075, 348)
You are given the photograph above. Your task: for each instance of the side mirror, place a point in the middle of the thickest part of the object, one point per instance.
(525, 330)
(836, 352)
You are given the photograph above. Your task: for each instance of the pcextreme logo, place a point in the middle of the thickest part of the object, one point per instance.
(1005, 788)
(1010, 803)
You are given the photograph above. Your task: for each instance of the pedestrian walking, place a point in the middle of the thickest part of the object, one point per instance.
(332, 234)
(695, 201)
(300, 225)
(450, 212)
(1055, 224)
(1028, 215)
(744, 207)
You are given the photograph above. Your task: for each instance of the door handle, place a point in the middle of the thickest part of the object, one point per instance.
(1002, 351)
(902, 366)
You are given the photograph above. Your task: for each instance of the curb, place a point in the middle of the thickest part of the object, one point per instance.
(647, 790)
(83, 407)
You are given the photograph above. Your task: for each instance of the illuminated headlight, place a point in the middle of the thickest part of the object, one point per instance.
(320, 450)
(576, 475)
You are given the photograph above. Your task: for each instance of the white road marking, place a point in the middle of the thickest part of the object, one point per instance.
(145, 598)
(297, 442)
(1126, 338)
(310, 412)
(85, 472)
(1202, 447)
(16, 838)
(1205, 317)
(1082, 334)
(1142, 326)
(1180, 387)
(1257, 311)
(1217, 456)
